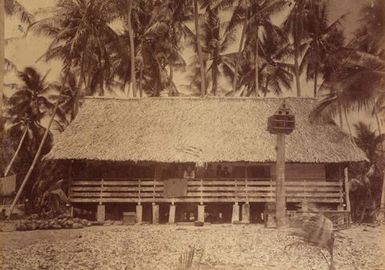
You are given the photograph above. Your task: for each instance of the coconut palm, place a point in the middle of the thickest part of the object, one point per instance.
(356, 83)
(322, 41)
(11, 8)
(255, 17)
(158, 29)
(370, 37)
(274, 72)
(70, 98)
(27, 108)
(294, 25)
(82, 36)
(215, 43)
(199, 49)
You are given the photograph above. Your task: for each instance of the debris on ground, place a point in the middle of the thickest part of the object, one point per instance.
(222, 247)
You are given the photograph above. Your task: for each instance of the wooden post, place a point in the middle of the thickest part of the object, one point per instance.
(171, 214)
(348, 207)
(235, 213)
(201, 213)
(246, 186)
(280, 196)
(155, 213)
(201, 190)
(246, 213)
(101, 210)
(101, 213)
(101, 192)
(139, 213)
(139, 191)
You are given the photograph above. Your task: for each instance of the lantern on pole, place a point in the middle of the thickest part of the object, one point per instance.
(281, 123)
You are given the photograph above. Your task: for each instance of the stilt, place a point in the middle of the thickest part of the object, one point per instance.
(235, 214)
(155, 213)
(201, 213)
(139, 213)
(70, 211)
(171, 214)
(246, 213)
(341, 217)
(101, 213)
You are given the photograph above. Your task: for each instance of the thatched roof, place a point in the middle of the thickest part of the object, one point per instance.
(197, 130)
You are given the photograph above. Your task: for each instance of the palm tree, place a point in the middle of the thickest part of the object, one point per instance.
(370, 37)
(323, 40)
(199, 49)
(294, 25)
(214, 44)
(274, 73)
(132, 47)
(27, 108)
(369, 141)
(158, 28)
(255, 17)
(82, 37)
(70, 98)
(13, 7)
(10, 8)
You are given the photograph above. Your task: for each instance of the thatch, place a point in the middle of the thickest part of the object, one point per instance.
(198, 130)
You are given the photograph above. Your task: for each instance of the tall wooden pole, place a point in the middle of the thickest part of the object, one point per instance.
(280, 196)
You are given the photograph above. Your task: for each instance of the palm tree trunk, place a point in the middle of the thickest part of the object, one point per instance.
(347, 123)
(375, 111)
(141, 81)
(214, 72)
(132, 49)
(266, 85)
(296, 71)
(296, 38)
(37, 155)
(238, 60)
(339, 107)
(2, 40)
(17, 151)
(256, 64)
(200, 56)
(315, 16)
(315, 80)
(382, 202)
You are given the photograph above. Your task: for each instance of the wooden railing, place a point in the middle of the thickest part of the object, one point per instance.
(204, 190)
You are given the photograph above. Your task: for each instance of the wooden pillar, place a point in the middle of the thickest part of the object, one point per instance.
(139, 213)
(280, 196)
(246, 213)
(171, 214)
(101, 210)
(346, 180)
(101, 213)
(155, 213)
(235, 213)
(201, 213)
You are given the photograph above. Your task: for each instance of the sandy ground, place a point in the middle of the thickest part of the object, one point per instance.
(160, 246)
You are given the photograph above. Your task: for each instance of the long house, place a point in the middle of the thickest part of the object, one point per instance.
(180, 159)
